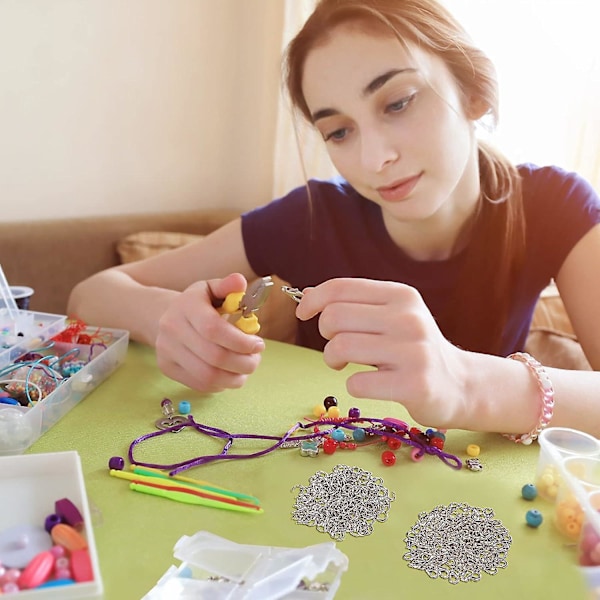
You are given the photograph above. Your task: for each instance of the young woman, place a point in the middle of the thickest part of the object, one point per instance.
(425, 261)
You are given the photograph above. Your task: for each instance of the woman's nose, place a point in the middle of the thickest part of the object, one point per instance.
(378, 149)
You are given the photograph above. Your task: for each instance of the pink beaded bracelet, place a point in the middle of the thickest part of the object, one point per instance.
(547, 398)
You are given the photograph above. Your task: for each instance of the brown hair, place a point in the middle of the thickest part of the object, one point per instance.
(430, 26)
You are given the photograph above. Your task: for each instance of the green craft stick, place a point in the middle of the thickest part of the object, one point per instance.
(189, 498)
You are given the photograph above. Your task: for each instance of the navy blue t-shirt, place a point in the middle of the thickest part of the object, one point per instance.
(339, 233)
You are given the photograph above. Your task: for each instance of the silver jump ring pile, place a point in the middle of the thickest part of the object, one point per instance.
(347, 500)
(457, 542)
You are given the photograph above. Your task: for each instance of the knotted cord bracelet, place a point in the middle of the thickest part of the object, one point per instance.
(547, 398)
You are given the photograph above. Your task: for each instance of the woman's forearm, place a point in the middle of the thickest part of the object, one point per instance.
(113, 299)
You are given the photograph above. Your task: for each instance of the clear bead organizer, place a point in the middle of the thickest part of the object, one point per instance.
(27, 332)
(568, 475)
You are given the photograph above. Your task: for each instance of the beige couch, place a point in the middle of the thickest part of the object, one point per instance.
(52, 256)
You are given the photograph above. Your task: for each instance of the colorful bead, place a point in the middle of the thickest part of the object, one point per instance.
(338, 435)
(117, 463)
(393, 443)
(333, 412)
(184, 407)
(309, 448)
(534, 518)
(529, 491)
(359, 435)
(416, 454)
(436, 442)
(319, 410)
(354, 412)
(329, 446)
(388, 458)
(473, 450)
(329, 402)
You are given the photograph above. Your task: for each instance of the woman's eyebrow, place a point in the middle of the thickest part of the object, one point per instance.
(369, 89)
(381, 80)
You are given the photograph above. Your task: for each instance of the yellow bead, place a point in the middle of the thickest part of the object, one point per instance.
(333, 412)
(319, 410)
(473, 450)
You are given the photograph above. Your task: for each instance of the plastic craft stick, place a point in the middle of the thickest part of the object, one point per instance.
(177, 485)
(205, 485)
(188, 497)
(9, 301)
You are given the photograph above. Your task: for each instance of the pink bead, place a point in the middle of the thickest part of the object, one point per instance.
(37, 571)
(417, 454)
(62, 574)
(58, 551)
(10, 588)
(63, 562)
(12, 575)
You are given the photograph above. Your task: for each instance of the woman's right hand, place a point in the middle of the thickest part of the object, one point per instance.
(201, 349)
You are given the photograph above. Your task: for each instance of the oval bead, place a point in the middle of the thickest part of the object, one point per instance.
(67, 536)
(37, 571)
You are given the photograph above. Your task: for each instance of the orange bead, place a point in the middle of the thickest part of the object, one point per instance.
(68, 537)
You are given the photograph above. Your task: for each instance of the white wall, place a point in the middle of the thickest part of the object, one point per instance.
(127, 106)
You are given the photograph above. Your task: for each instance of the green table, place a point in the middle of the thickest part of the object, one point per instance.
(135, 533)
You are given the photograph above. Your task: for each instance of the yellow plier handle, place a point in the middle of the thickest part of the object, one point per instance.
(242, 306)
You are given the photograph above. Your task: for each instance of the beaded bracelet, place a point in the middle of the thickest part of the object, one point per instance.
(547, 398)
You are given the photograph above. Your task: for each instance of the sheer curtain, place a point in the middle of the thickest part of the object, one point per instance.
(549, 75)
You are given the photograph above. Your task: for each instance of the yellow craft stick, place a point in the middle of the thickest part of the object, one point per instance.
(150, 471)
(190, 498)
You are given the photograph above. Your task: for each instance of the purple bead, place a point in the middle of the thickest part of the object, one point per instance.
(354, 412)
(117, 463)
(51, 521)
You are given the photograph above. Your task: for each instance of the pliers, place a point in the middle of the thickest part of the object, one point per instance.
(242, 306)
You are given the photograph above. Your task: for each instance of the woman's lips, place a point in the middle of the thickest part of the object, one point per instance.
(399, 190)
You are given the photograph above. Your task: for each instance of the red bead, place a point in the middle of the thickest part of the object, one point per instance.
(388, 458)
(343, 445)
(393, 443)
(329, 446)
(351, 445)
(436, 442)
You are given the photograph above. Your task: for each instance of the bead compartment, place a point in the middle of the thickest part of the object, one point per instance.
(31, 485)
(568, 475)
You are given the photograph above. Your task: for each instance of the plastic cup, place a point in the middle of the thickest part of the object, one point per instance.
(22, 295)
(589, 541)
(582, 475)
(556, 445)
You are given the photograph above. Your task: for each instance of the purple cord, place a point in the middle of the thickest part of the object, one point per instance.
(385, 428)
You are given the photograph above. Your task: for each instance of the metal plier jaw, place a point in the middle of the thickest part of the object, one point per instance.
(242, 306)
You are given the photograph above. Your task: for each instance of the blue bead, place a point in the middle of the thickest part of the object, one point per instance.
(529, 491)
(534, 518)
(338, 435)
(184, 407)
(359, 435)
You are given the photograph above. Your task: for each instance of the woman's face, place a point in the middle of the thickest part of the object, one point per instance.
(393, 124)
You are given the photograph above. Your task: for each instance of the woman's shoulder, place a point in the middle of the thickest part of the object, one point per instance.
(536, 177)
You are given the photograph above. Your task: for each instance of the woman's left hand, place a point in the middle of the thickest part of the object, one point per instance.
(387, 325)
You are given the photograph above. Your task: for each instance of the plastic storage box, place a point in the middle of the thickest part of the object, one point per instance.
(568, 475)
(37, 328)
(31, 485)
(21, 426)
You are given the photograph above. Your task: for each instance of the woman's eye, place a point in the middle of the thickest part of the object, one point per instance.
(400, 105)
(336, 136)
